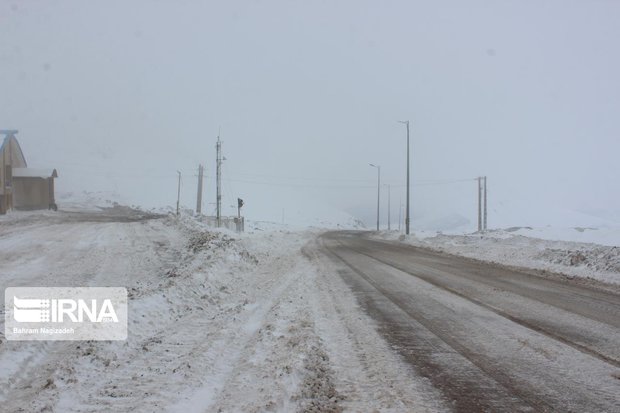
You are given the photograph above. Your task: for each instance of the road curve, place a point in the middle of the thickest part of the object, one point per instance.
(489, 338)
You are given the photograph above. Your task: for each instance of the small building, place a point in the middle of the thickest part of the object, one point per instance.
(33, 188)
(22, 187)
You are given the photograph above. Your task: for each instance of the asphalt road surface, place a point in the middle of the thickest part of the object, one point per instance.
(489, 338)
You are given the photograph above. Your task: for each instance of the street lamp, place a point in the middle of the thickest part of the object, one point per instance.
(378, 189)
(406, 122)
(400, 213)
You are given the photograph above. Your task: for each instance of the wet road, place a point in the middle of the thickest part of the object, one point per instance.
(489, 338)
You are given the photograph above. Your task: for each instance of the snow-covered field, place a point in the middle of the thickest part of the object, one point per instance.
(217, 321)
(574, 252)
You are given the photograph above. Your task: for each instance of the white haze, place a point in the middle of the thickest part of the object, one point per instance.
(120, 95)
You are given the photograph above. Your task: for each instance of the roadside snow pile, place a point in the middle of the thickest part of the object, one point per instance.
(206, 314)
(200, 241)
(597, 258)
(603, 235)
(506, 247)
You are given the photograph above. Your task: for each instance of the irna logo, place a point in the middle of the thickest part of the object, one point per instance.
(54, 310)
(65, 313)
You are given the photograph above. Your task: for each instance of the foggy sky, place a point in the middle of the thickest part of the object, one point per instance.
(118, 96)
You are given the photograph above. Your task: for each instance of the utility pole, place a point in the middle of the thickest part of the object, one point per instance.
(389, 196)
(199, 195)
(178, 192)
(407, 217)
(218, 174)
(479, 179)
(400, 212)
(378, 190)
(484, 220)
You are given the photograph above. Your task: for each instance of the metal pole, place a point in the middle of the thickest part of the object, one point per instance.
(178, 192)
(407, 216)
(389, 196)
(407, 220)
(378, 193)
(479, 204)
(218, 174)
(199, 195)
(378, 190)
(400, 212)
(484, 222)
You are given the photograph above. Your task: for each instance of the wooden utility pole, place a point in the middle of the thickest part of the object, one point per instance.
(199, 195)
(178, 192)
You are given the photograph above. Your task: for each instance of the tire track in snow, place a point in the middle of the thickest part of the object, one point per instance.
(368, 373)
(433, 311)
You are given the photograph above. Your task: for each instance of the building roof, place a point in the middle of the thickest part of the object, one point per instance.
(34, 173)
(18, 155)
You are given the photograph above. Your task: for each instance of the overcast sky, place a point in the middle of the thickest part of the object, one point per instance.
(120, 95)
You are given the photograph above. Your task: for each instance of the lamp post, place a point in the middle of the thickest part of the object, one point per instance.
(406, 122)
(389, 207)
(400, 214)
(378, 190)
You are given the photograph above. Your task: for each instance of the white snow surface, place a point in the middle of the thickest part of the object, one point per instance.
(218, 321)
(575, 252)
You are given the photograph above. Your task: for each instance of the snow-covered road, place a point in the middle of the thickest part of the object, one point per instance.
(217, 322)
(299, 321)
(490, 338)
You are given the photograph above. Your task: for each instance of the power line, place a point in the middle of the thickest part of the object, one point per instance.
(298, 185)
(301, 178)
(318, 183)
